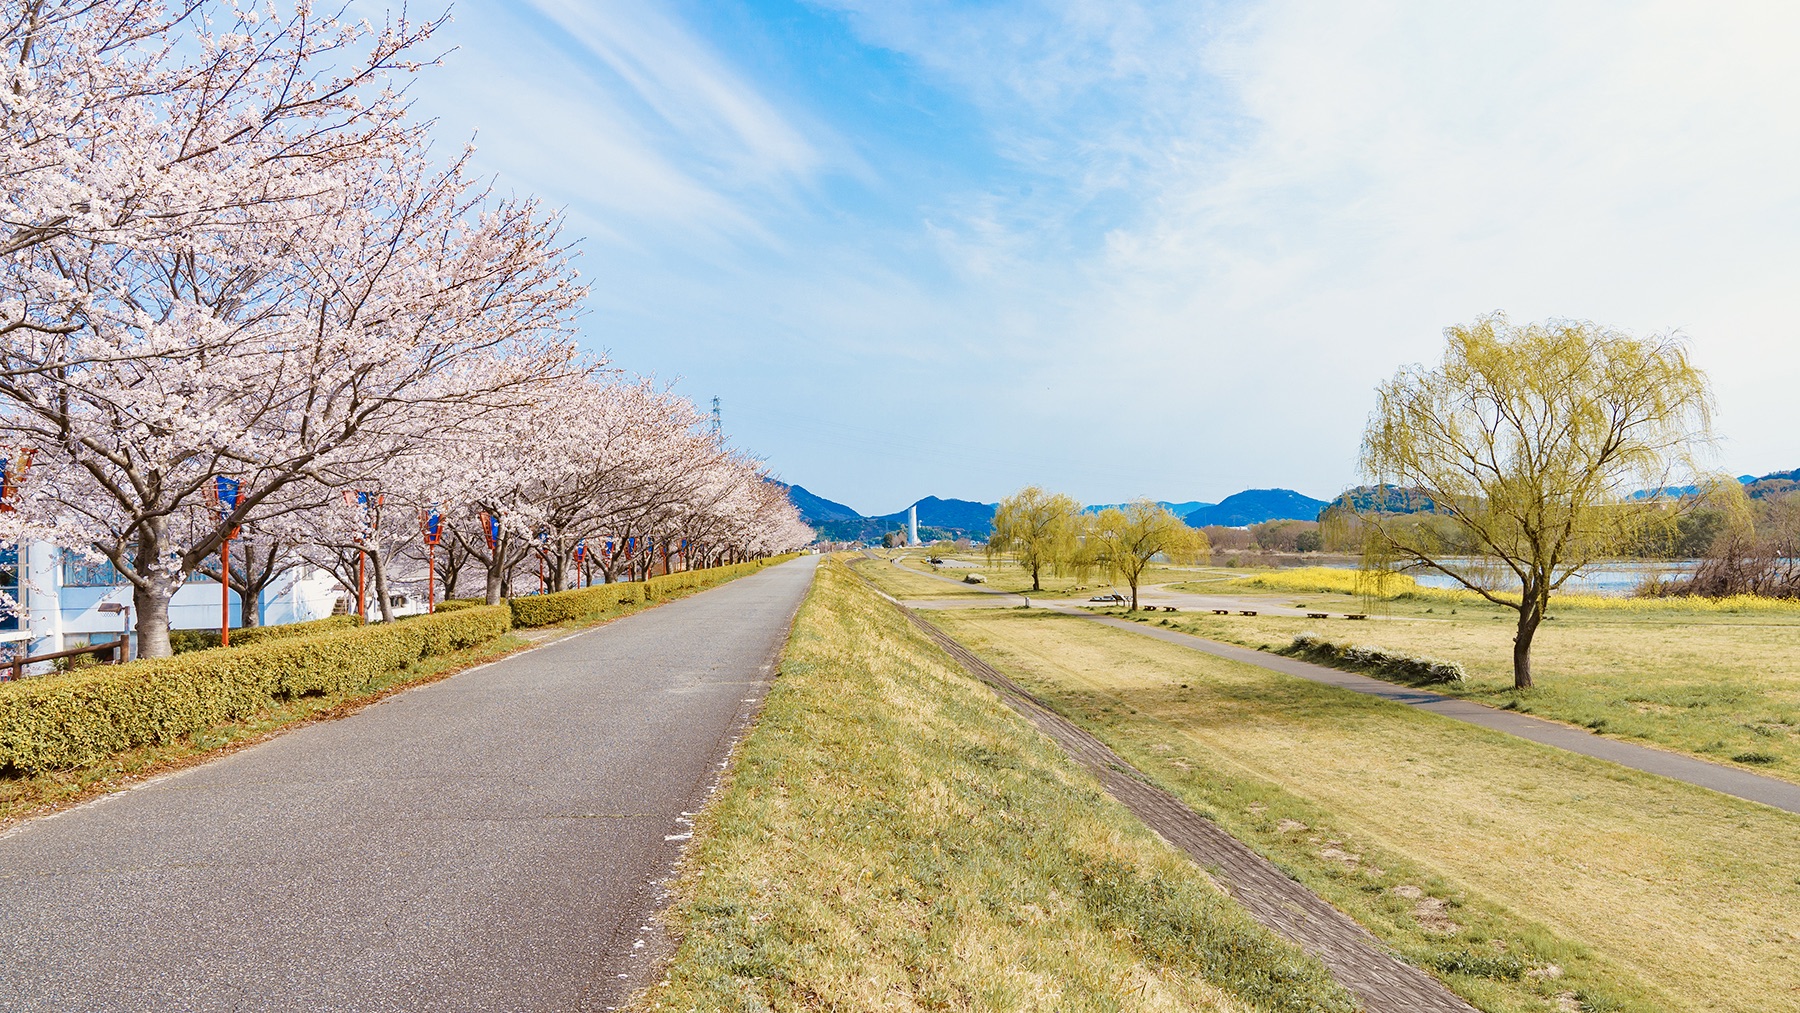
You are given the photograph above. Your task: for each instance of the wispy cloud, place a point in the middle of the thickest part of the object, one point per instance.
(1216, 225)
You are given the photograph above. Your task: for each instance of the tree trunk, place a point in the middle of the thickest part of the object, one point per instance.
(151, 602)
(493, 583)
(1134, 603)
(1531, 613)
(381, 584)
(152, 615)
(249, 611)
(1035, 586)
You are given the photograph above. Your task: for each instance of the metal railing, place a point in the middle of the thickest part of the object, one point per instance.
(15, 669)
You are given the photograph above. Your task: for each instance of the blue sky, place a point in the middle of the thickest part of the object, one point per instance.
(1122, 248)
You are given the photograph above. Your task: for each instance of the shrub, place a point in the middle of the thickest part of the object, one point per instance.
(183, 641)
(1375, 661)
(257, 634)
(452, 604)
(660, 586)
(549, 609)
(66, 721)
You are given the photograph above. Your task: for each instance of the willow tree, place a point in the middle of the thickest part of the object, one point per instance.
(1039, 531)
(1125, 541)
(1532, 441)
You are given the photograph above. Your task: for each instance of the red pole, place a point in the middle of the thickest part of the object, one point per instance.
(362, 607)
(225, 593)
(431, 577)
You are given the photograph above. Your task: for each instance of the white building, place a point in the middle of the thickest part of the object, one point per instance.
(60, 595)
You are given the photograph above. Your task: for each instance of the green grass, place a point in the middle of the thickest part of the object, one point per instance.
(1724, 686)
(893, 837)
(1644, 893)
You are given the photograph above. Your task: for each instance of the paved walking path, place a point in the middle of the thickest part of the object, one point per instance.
(489, 842)
(1744, 784)
(1730, 780)
(1359, 961)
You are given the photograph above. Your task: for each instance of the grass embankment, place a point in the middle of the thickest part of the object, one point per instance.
(34, 793)
(894, 837)
(1480, 855)
(1715, 683)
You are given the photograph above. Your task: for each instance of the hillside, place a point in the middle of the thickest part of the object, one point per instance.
(1253, 506)
(938, 518)
(1387, 499)
(970, 519)
(816, 510)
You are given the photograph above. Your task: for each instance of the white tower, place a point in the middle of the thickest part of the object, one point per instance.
(912, 524)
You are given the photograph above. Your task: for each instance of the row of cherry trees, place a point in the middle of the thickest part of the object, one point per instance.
(226, 250)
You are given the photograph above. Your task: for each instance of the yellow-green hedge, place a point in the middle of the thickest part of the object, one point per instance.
(63, 721)
(661, 586)
(67, 721)
(257, 634)
(547, 609)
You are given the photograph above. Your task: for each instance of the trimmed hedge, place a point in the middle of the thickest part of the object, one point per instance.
(660, 586)
(257, 634)
(1375, 661)
(67, 721)
(183, 641)
(549, 609)
(452, 604)
(61, 721)
(561, 606)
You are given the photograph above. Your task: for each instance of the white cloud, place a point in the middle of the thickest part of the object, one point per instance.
(1389, 169)
(1191, 237)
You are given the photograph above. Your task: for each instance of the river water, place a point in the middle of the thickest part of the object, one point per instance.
(1614, 577)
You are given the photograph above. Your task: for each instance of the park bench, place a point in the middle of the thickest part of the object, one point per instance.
(1247, 612)
(1357, 615)
(1221, 612)
(1318, 615)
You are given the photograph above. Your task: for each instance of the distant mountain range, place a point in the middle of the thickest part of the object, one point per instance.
(938, 518)
(961, 518)
(1254, 506)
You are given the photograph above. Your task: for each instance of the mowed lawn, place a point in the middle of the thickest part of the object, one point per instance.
(1722, 686)
(1484, 856)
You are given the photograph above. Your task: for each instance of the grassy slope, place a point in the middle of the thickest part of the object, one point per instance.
(895, 838)
(1719, 685)
(1649, 894)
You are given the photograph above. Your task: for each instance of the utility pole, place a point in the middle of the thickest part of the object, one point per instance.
(717, 420)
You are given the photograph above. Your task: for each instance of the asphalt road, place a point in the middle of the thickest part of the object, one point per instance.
(490, 842)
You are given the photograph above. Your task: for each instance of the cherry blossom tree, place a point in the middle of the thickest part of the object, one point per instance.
(274, 341)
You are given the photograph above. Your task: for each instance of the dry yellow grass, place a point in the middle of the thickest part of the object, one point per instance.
(1320, 579)
(1724, 687)
(893, 838)
(1650, 894)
